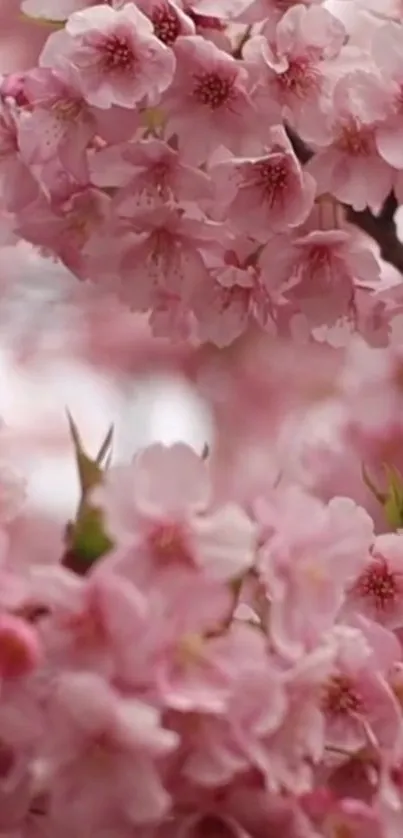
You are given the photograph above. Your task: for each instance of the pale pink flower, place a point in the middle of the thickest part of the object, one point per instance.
(318, 272)
(359, 105)
(222, 745)
(113, 55)
(161, 506)
(291, 69)
(57, 125)
(233, 297)
(208, 104)
(70, 227)
(150, 173)
(165, 254)
(267, 193)
(357, 702)
(104, 750)
(310, 552)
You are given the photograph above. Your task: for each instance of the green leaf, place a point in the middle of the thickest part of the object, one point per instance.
(90, 472)
(88, 539)
(393, 505)
(392, 499)
(380, 496)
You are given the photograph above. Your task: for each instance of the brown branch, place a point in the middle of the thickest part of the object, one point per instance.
(381, 228)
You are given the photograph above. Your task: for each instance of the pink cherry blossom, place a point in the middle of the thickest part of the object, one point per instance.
(168, 18)
(208, 102)
(150, 174)
(101, 741)
(113, 54)
(233, 297)
(170, 527)
(164, 253)
(320, 272)
(378, 590)
(306, 575)
(292, 70)
(351, 146)
(266, 193)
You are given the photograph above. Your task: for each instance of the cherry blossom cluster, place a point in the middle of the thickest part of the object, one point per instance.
(213, 646)
(183, 663)
(150, 152)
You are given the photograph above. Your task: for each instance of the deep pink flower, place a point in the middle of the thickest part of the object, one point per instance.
(168, 18)
(378, 590)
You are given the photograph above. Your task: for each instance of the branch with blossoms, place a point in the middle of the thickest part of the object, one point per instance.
(380, 227)
(210, 644)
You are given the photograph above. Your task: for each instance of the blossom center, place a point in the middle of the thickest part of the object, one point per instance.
(213, 90)
(340, 697)
(378, 584)
(355, 139)
(166, 24)
(301, 77)
(117, 54)
(168, 541)
(270, 176)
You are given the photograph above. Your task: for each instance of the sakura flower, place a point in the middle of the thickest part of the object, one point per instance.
(307, 566)
(168, 19)
(104, 751)
(378, 590)
(113, 55)
(291, 70)
(171, 525)
(233, 297)
(351, 147)
(57, 125)
(150, 173)
(357, 702)
(208, 102)
(166, 254)
(266, 193)
(221, 746)
(319, 272)
(73, 223)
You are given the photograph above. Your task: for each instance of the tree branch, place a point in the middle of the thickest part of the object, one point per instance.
(381, 228)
